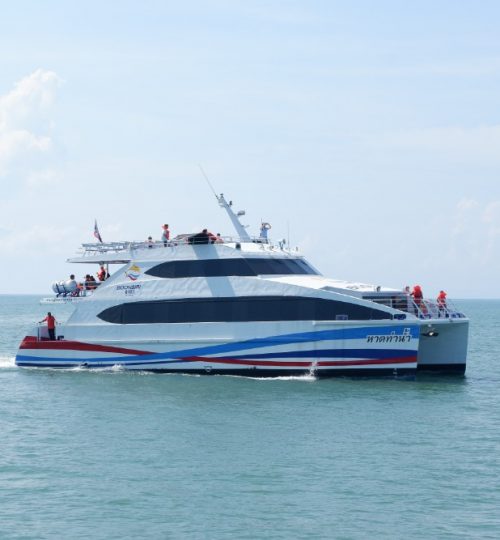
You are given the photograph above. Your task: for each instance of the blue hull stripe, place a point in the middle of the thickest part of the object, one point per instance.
(25, 360)
(331, 353)
(302, 337)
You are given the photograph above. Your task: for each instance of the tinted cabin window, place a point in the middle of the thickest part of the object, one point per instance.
(229, 267)
(237, 309)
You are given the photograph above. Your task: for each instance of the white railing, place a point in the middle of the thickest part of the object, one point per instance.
(423, 309)
(430, 309)
(84, 288)
(97, 248)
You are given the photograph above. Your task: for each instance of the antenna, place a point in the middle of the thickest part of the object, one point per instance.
(235, 218)
(208, 181)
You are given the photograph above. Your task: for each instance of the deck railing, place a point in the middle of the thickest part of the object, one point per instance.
(94, 249)
(423, 309)
(431, 309)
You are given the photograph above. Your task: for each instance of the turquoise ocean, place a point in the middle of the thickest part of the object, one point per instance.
(116, 455)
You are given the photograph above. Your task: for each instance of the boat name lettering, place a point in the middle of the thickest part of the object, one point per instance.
(392, 338)
(388, 339)
(128, 289)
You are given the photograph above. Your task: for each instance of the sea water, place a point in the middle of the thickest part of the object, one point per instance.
(107, 455)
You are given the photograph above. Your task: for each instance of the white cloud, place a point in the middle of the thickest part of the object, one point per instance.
(25, 123)
(465, 210)
(478, 67)
(43, 237)
(475, 231)
(491, 217)
(43, 179)
(286, 14)
(475, 143)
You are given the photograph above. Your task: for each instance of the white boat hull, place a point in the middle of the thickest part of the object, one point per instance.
(443, 346)
(323, 349)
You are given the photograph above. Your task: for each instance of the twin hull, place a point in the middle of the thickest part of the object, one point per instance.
(324, 349)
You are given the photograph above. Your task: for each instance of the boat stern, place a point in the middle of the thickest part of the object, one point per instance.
(443, 346)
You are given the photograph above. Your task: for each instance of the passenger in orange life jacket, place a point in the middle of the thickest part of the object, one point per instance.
(441, 302)
(418, 295)
(101, 274)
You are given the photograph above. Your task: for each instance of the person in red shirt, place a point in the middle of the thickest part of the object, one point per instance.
(101, 275)
(51, 325)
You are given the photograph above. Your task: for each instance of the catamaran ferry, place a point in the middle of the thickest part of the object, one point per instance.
(242, 305)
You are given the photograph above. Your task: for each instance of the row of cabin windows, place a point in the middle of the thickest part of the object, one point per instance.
(238, 309)
(230, 267)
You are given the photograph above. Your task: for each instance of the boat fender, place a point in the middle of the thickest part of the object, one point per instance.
(70, 285)
(59, 287)
(55, 287)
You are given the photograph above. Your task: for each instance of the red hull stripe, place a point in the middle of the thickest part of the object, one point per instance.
(30, 342)
(326, 363)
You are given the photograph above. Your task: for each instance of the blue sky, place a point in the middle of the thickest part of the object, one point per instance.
(369, 130)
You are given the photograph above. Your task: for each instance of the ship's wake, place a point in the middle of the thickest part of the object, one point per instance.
(7, 362)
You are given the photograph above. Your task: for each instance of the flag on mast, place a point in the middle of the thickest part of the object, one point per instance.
(97, 234)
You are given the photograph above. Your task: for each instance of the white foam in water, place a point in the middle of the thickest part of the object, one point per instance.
(76, 368)
(105, 369)
(307, 378)
(118, 367)
(7, 362)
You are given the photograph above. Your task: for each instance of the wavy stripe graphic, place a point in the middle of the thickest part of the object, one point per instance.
(326, 353)
(284, 339)
(27, 361)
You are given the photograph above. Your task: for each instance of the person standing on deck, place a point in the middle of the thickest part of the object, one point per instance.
(166, 234)
(101, 275)
(264, 228)
(418, 298)
(51, 325)
(441, 302)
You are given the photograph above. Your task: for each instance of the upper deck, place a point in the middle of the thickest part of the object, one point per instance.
(207, 254)
(125, 251)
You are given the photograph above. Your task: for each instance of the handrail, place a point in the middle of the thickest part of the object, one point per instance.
(92, 249)
(422, 308)
(85, 288)
(430, 309)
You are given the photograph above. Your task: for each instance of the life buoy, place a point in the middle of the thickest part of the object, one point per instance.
(266, 226)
